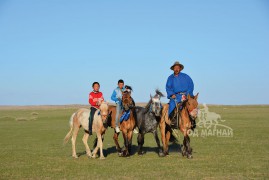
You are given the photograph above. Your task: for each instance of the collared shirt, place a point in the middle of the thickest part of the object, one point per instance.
(182, 83)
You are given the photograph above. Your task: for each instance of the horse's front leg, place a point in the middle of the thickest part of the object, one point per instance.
(187, 151)
(167, 138)
(100, 139)
(130, 140)
(99, 145)
(160, 153)
(125, 137)
(165, 146)
(85, 142)
(140, 142)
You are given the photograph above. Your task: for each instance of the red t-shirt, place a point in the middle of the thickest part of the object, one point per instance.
(94, 97)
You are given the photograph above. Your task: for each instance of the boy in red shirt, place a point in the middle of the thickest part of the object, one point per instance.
(95, 100)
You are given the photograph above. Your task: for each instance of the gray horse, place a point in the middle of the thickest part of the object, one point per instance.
(148, 119)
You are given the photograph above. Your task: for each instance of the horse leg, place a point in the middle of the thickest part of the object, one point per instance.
(85, 142)
(74, 137)
(96, 140)
(167, 138)
(130, 140)
(97, 147)
(160, 153)
(125, 137)
(116, 141)
(186, 146)
(100, 142)
(162, 129)
(140, 142)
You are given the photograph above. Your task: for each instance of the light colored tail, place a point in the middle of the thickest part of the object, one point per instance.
(69, 134)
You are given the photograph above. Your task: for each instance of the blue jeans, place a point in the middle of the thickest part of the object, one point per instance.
(118, 111)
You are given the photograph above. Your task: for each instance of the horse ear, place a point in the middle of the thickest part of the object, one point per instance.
(189, 96)
(150, 96)
(196, 97)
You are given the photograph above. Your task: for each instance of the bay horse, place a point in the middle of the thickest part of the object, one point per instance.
(128, 104)
(128, 124)
(148, 120)
(99, 125)
(187, 113)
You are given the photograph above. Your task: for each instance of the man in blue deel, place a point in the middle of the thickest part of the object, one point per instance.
(178, 86)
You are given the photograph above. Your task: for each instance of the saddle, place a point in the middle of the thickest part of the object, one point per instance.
(125, 116)
(175, 117)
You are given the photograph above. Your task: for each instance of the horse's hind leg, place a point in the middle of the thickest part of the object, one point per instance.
(160, 153)
(85, 142)
(140, 142)
(116, 141)
(74, 137)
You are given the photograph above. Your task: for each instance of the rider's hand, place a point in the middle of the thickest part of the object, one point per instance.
(174, 96)
(183, 98)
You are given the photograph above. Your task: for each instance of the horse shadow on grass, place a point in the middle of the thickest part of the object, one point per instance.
(174, 147)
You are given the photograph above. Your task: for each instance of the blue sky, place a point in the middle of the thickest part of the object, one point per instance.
(51, 51)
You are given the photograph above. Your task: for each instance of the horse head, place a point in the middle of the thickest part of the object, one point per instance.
(104, 110)
(156, 105)
(192, 106)
(127, 101)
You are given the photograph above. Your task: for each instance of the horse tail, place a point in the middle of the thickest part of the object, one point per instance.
(69, 134)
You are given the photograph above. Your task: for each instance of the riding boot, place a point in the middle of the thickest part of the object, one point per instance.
(173, 119)
(90, 125)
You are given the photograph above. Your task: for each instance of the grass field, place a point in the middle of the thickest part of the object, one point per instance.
(31, 141)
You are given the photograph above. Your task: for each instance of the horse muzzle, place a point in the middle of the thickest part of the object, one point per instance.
(194, 113)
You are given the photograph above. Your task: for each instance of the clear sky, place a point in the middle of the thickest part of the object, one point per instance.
(51, 51)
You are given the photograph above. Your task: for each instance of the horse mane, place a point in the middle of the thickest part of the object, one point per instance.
(147, 107)
(128, 87)
(158, 93)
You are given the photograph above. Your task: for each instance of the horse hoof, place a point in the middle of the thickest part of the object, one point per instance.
(120, 154)
(161, 154)
(102, 158)
(166, 154)
(93, 157)
(141, 153)
(89, 155)
(75, 156)
(189, 156)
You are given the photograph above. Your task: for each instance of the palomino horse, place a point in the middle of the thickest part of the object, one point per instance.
(99, 125)
(186, 115)
(148, 120)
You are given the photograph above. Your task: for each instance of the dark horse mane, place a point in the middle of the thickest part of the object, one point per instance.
(157, 95)
(129, 87)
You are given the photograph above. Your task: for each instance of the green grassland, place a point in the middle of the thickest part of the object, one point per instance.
(31, 147)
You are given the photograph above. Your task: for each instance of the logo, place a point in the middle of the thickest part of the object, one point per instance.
(210, 124)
